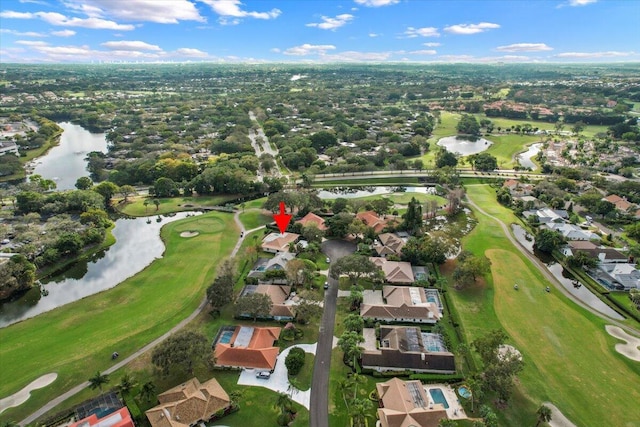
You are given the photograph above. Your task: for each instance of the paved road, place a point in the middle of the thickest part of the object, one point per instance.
(547, 274)
(505, 173)
(265, 148)
(319, 411)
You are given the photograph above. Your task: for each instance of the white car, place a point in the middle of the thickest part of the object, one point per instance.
(264, 375)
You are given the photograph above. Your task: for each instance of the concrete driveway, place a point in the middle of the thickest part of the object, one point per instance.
(279, 381)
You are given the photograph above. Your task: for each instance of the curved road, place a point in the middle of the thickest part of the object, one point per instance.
(550, 277)
(319, 405)
(77, 389)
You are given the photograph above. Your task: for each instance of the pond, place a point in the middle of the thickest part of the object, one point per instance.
(565, 278)
(464, 146)
(65, 162)
(525, 158)
(137, 244)
(356, 192)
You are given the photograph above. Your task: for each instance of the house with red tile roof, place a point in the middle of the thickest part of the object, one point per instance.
(371, 219)
(119, 418)
(249, 347)
(312, 219)
(396, 272)
(277, 242)
(621, 203)
(189, 404)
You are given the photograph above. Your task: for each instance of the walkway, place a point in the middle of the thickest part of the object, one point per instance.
(265, 148)
(547, 274)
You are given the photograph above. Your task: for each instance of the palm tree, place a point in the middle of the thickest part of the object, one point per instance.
(157, 203)
(544, 415)
(148, 391)
(98, 380)
(357, 378)
(127, 383)
(283, 402)
(235, 396)
(146, 204)
(344, 385)
(360, 409)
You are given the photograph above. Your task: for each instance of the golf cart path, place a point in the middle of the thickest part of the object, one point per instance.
(557, 417)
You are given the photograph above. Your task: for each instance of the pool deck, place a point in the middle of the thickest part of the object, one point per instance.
(455, 411)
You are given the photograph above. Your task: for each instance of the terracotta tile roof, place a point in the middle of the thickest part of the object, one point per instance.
(120, 418)
(314, 219)
(371, 219)
(394, 271)
(279, 242)
(511, 183)
(188, 403)
(403, 302)
(259, 353)
(621, 204)
(405, 403)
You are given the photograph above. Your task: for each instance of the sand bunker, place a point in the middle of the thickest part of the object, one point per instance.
(631, 346)
(189, 234)
(23, 395)
(506, 349)
(557, 418)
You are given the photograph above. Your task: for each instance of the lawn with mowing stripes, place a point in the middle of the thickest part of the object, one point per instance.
(255, 218)
(77, 340)
(569, 358)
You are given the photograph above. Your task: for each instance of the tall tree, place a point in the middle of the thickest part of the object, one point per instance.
(148, 391)
(353, 322)
(349, 343)
(220, 292)
(84, 183)
(98, 380)
(126, 191)
(254, 306)
(543, 415)
(127, 383)
(184, 351)
(354, 266)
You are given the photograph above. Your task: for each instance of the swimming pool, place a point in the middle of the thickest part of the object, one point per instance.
(438, 397)
(103, 412)
(225, 337)
(464, 392)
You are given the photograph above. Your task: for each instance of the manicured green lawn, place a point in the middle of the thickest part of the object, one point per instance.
(255, 218)
(77, 339)
(304, 377)
(569, 358)
(507, 123)
(253, 204)
(366, 180)
(405, 198)
(505, 147)
(136, 207)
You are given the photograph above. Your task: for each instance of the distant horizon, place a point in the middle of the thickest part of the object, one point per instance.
(303, 63)
(322, 31)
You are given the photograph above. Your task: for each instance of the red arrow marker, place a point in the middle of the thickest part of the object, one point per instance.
(282, 219)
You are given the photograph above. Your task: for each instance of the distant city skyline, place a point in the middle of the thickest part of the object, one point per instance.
(231, 31)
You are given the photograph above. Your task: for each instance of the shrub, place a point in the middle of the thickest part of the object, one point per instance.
(294, 361)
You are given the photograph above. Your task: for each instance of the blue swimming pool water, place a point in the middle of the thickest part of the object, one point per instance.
(438, 397)
(225, 338)
(102, 412)
(431, 299)
(464, 392)
(261, 268)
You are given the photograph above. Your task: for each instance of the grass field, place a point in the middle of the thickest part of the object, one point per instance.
(362, 180)
(255, 218)
(135, 206)
(77, 339)
(569, 358)
(505, 147)
(304, 377)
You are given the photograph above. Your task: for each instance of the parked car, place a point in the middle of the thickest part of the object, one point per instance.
(263, 375)
(328, 260)
(326, 285)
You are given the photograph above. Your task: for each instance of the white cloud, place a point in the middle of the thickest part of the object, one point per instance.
(484, 59)
(412, 32)
(524, 47)
(354, 56)
(275, 50)
(16, 15)
(31, 43)
(377, 3)
(374, 35)
(431, 44)
(64, 33)
(34, 2)
(191, 53)
(163, 12)
(423, 52)
(130, 45)
(466, 29)
(232, 8)
(308, 49)
(23, 34)
(332, 23)
(228, 21)
(590, 55)
(581, 2)
(54, 18)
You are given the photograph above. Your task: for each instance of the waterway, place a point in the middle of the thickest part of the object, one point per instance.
(356, 192)
(566, 279)
(138, 244)
(464, 146)
(66, 162)
(525, 158)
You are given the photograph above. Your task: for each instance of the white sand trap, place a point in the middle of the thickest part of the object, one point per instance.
(23, 395)
(508, 350)
(631, 346)
(189, 234)
(557, 418)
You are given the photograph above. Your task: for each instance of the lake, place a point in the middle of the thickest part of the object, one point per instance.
(137, 245)
(65, 162)
(464, 146)
(355, 192)
(525, 158)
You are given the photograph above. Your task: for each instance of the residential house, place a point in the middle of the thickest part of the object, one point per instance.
(248, 347)
(547, 215)
(405, 403)
(371, 219)
(277, 263)
(119, 418)
(279, 294)
(404, 304)
(277, 242)
(312, 219)
(516, 188)
(390, 244)
(397, 272)
(529, 201)
(621, 203)
(403, 348)
(619, 276)
(572, 232)
(602, 254)
(8, 147)
(189, 404)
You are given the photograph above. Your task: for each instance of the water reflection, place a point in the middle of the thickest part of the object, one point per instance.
(525, 158)
(464, 145)
(355, 192)
(65, 162)
(137, 244)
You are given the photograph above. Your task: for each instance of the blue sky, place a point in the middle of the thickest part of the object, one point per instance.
(319, 31)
